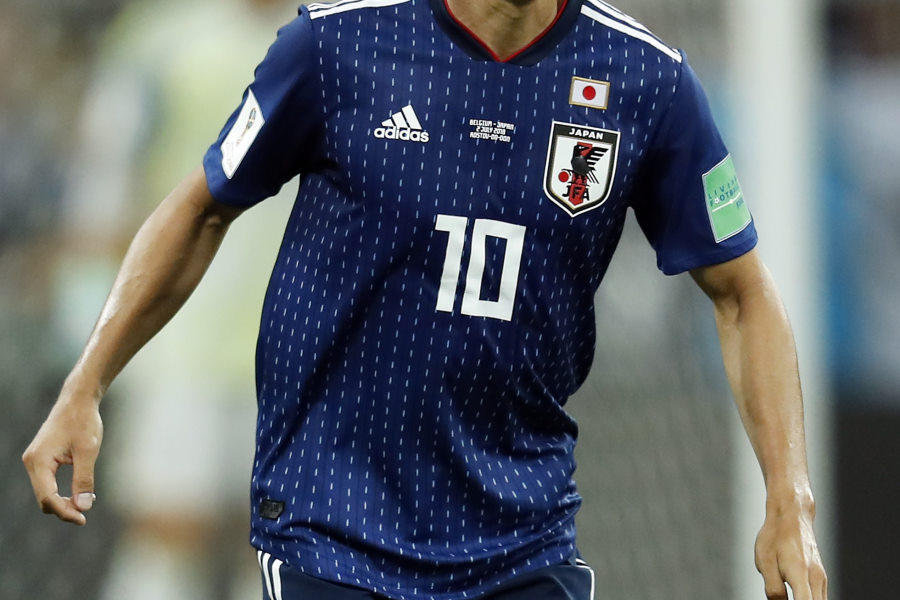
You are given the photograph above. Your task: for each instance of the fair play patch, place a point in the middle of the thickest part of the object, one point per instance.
(728, 211)
(245, 129)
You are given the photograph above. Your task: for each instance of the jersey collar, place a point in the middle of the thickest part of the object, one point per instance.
(540, 47)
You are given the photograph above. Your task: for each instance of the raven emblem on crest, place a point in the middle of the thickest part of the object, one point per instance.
(584, 157)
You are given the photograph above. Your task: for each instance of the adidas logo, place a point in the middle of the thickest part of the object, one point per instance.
(403, 125)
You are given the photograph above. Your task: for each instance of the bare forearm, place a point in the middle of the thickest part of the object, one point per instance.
(761, 362)
(163, 265)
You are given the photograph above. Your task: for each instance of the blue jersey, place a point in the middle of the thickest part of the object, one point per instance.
(431, 307)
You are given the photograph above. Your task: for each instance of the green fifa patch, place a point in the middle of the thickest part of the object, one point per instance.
(728, 212)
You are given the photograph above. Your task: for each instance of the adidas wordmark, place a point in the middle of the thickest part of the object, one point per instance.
(404, 126)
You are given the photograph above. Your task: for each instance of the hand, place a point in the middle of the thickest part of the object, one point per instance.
(71, 435)
(786, 552)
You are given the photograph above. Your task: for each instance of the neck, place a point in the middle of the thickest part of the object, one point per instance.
(505, 26)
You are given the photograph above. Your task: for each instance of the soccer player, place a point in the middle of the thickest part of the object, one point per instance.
(466, 168)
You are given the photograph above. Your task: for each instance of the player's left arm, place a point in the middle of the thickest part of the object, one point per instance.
(761, 362)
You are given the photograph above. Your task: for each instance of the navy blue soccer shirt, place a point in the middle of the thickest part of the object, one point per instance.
(431, 307)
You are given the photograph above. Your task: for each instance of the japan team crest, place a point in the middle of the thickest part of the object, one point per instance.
(581, 166)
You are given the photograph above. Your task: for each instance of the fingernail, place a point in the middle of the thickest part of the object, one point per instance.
(85, 501)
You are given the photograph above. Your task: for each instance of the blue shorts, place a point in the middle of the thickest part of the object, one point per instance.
(571, 580)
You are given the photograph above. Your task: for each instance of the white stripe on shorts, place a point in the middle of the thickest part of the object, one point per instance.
(264, 558)
(276, 578)
(580, 563)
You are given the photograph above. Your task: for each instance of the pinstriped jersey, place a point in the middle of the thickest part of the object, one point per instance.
(431, 308)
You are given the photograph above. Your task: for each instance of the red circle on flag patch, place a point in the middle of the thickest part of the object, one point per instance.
(589, 92)
(563, 176)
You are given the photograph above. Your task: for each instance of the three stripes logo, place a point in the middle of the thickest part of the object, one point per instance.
(404, 126)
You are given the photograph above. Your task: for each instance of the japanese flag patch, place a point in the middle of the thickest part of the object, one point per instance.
(589, 93)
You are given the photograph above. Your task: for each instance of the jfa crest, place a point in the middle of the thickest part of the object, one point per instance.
(581, 166)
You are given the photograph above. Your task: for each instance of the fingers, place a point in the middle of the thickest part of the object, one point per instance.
(43, 482)
(818, 582)
(807, 581)
(810, 583)
(63, 508)
(71, 435)
(805, 574)
(802, 590)
(767, 565)
(775, 588)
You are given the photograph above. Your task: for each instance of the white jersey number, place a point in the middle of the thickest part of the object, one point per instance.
(472, 304)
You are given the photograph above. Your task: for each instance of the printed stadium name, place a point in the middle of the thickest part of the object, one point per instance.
(406, 135)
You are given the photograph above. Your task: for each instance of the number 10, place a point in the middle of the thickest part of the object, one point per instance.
(472, 304)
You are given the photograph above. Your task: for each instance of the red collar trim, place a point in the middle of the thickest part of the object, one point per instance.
(518, 52)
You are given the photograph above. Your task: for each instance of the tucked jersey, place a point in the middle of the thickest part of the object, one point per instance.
(431, 307)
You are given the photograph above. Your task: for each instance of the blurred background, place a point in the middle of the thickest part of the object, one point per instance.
(105, 104)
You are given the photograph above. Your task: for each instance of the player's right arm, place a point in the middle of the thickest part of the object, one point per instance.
(267, 140)
(163, 265)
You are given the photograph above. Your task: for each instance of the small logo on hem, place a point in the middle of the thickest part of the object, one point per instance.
(271, 509)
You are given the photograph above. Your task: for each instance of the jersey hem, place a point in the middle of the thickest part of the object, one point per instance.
(349, 575)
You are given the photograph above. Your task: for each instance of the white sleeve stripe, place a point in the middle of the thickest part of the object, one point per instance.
(618, 14)
(333, 9)
(320, 5)
(635, 33)
(327, 5)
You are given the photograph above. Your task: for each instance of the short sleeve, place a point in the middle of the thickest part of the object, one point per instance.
(271, 136)
(689, 201)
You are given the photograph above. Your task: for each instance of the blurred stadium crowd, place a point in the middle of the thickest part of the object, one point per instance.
(105, 104)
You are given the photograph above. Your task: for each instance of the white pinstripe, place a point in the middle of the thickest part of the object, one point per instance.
(618, 14)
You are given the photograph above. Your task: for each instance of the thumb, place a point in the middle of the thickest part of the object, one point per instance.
(83, 480)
